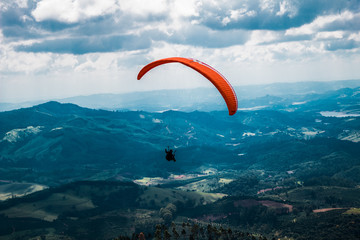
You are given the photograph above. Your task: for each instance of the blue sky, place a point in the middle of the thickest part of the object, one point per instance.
(61, 48)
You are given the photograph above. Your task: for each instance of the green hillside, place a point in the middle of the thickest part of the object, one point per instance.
(56, 143)
(83, 205)
(286, 169)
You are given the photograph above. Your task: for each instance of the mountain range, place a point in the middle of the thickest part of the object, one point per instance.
(201, 99)
(284, 166)
(72, 142)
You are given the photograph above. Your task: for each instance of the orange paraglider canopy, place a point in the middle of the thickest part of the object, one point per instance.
(207, 71)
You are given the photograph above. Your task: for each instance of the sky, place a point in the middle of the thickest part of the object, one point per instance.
(61, 48)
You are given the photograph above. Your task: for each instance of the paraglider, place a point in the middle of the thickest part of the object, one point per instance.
(170, 155)
(218, 80)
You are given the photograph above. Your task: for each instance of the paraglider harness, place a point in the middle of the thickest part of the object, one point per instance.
(170, 156)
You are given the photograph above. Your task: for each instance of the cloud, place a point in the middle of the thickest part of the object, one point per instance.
(343, 21)
(205, 37)
(341, 44)
(49, 43)
(84, 45)
(144, 8)
(268, 14)
(70, 11)
(336, 31)
(80, 27)
(12, 16)
(14, 62)
(14, 20)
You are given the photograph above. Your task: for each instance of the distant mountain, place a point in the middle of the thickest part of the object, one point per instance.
(201, 99)
(204, 99)
(53, 143)
(297, 88)
(284, 165)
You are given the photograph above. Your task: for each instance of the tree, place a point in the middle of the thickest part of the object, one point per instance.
(209, 229)
(168, 212)
(175, 234)
(202, 232)
(195, 230)
(171, 207)
(158, 232)
(167, 235)
(167, 217)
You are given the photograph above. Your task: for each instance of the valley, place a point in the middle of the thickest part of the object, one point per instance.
(281, 165)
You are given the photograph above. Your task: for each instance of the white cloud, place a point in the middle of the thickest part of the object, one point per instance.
(268, 5)
(236, 14)
(355, 36)
(5, 5)
(143, 8)
(287, 8)
(185, 8)
(22, 3)
(180, 11)
(225, 21)
(71, 11)
(24, 62)
(98, 62)
(264, 36)
(65, 60)
(329, 35)
(320, 23)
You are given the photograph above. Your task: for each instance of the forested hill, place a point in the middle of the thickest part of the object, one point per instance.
(64, 141)
(284, 166)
